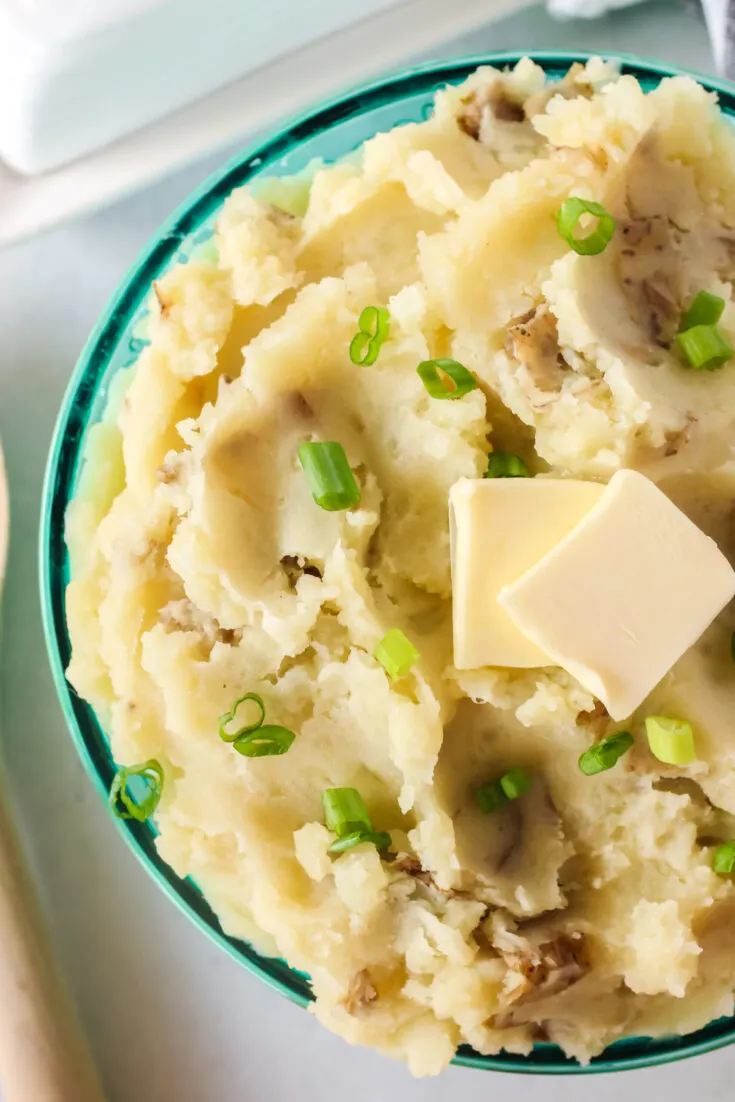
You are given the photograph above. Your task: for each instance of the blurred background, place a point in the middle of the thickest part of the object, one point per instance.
(110, 114)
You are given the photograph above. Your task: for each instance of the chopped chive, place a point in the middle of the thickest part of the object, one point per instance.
(265, 741)
(345, 811)
(704, 348)
(724, 859)
(704, 309)
(373, 328)
(671, 740)
(255, 740)
(513, 784)
(122, 801)
(506, 465)
(329, 475)
(396, 654)
(598, 239)
(435, 373)
(605, 754)
(491, 797)
(228, 717)
(380, 839)
(347, 816)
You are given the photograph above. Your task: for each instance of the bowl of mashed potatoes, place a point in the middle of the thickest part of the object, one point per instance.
(386, 563)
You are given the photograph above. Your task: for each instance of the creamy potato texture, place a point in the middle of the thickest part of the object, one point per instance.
(202, 569)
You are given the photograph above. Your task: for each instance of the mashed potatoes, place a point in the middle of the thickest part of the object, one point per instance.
(202, 569)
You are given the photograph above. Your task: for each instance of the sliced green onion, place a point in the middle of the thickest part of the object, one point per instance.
(704, 309)
(264, 742)
(598, 239)
(228, 717)
(671, 740)
(347, 816)
(490, 797)
(605, 754)
(724, 859)
(380, 839)
(123, 802)
(396, 654)
(329, 475)
(255, 740)
(434, 373)
(373, 327)
(345, 811)
(704, 348)
(515, 782)
(506, 465)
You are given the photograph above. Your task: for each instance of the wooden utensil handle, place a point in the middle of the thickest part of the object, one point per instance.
(43, 1055)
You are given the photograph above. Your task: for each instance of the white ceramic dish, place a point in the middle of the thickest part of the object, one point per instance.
(226, 116)
(75, 77)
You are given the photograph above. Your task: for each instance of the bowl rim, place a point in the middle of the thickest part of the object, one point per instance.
(160, 248)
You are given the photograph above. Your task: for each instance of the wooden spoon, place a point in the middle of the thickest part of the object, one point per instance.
(43, 1054)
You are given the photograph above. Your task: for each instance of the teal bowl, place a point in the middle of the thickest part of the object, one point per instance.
(329, 132)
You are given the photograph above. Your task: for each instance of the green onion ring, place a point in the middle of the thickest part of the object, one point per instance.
(704, 347)
(605, 754)
(496, 794)
(724, 859)
(373, 328)
(598, 239)
(671, 740)
(506, 465)
(228, 717)
(266, 741)
(704, 309)
(345, 811)
(396, 654)
(429, 373)
(122, 803)
(329, 475)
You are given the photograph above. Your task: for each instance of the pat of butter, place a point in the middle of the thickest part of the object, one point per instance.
(624, 594)
(499, 528)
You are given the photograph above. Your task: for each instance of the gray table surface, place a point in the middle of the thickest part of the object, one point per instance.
(169, 1016)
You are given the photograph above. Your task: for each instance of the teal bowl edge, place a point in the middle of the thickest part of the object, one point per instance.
(545, 1059)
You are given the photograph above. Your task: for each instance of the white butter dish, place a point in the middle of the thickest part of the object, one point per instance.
(235, 112)
(76, 76)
